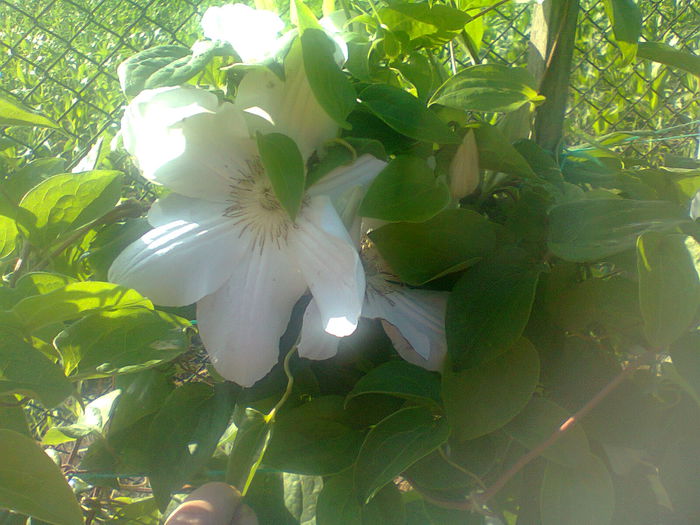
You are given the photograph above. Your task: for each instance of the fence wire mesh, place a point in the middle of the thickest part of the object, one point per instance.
(60, 57)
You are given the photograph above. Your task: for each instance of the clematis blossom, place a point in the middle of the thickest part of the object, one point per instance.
(221, 238)
(413, 319)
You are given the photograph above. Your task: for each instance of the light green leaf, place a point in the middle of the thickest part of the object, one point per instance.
(406, 190)
(316, 438)
(75, 300)
(422, 19)
(591, 229)
(400, 379)
(249, 447)
(577, 496)
(450, 241)
(329, 84)
(489, 308)
(12, 113)
(32, 484)
(669, 285)
(538, 421)
(284, 166)
(183, 435)
(670, 56)
(67, 201)
(488, 87)
(302, 16)
(406, 114)
(121, 341)
(26, 370)
(301, 495)
(496, 152)
(12, 415)
(483, 399)
(162, 66)
(626, 20)
(395, 444)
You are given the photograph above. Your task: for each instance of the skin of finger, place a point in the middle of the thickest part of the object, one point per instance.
(215, 503)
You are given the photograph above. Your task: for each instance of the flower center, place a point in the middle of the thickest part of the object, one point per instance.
(255, 207)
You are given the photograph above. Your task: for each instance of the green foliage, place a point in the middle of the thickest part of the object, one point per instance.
(285, 167)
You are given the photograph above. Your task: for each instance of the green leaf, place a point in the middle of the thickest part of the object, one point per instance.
(488, 87)
(91, 421)
(497, 154)
(12, 415)
(32, 484)
(316, 438)
(685, 353)
(252, 439)
(592, 229)
(162, 66)
(669, 285)
(400, 379)
(142, 394)
(448, 242)
(489, 308)
(338, 503)
(483, 399)
(12, 113)
(302, 16)
(395, 444)
(421, 18)
(67, 201)
(670, 56)
(386, 507)
(119, 342)
(580, 496)
(329, 84)
(26, 370)
(626, 20)
(406, 114)
(538, 421)
(183, 435)
(301, 495)
(284, 166)
(75, 300)
(406, 190)
(337, 155)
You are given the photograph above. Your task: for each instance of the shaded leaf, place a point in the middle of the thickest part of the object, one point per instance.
(670, 56)
(284, 166)
(626, 20)
(497, 154)
(400, 379)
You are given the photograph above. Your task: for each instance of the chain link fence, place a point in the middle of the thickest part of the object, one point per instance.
(60, 57)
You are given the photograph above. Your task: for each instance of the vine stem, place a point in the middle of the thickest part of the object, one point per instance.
(290, 385)
(477, 501)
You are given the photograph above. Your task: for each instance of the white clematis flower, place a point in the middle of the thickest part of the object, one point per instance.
(221, 238)
(253, 33)
(413, 319)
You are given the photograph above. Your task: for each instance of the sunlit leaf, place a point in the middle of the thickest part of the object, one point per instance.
(12, 113)
(670, 56)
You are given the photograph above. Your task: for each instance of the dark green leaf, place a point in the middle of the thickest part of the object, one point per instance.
(497, 154)
(284, 166)
(580, 496)
(685, 353)
(67, 201)
(184, 433)
(588, 230)
(538, 421)
(123, 341)
(26, 370)
(396, 443)
(483, 399)
(338, 503)
(406, 190)
(337, 155)
(489, 308)
(386, 508)
(162, 66)
(12, 415)
(12, 113)
(488, 87)
(75, 300)
(626, 20)
(329, 84)
(679, 471)
(142, 394)
(406, 114)
(316, 438)
(32, 484)
(670, 56)
(448, 242)
(669, 285)
(249, 447)
(400, 379)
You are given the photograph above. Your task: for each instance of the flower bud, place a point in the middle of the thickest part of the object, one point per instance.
(464, 168)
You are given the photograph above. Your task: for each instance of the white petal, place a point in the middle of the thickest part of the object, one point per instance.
(342, 179)
(175, 207)
(242, 322)
(314, 342)
(291, 104)
(331, 266)
(251, 32)
(334, 24)
(182, 138)
(181, 261)
(419, 318)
